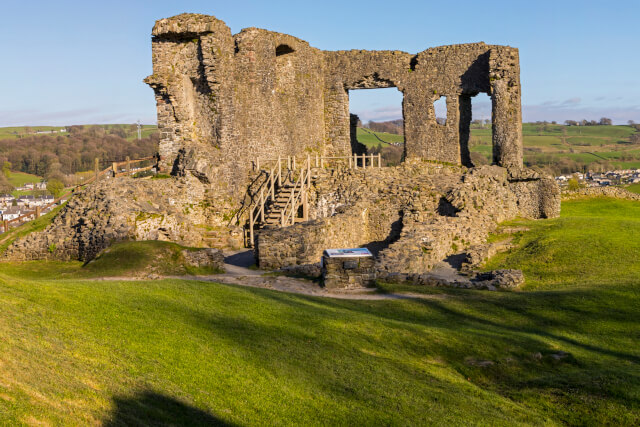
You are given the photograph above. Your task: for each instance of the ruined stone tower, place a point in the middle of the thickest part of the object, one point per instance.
(224, 100)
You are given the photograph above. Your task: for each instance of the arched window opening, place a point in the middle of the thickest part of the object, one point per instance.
(440, 108)
(283, 49)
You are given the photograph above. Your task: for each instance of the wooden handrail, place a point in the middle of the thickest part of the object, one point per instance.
(302, 178)
(319, 160)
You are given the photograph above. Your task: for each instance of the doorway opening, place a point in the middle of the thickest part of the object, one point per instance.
(378, 125)
(480, 140)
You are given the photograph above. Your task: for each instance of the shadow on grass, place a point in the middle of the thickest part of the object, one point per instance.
(152, 409)
(505, 326)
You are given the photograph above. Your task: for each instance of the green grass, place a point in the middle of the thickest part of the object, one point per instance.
(124, 259)
(17, 131)
(76, 351)
(608, 142)
(21, 131)
(368, 138)
(18, 179)
(635, 188)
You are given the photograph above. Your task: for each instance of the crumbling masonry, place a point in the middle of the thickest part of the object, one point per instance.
(225, 100)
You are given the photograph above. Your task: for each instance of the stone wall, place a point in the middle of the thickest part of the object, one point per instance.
(411, 216)
(225, 99)
(616, 192)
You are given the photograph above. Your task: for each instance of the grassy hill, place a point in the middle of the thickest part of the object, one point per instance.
(564, 148)
(562, 350)
(16, 132)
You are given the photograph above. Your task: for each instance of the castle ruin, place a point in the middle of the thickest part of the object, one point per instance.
(230, 104)
(225, 100)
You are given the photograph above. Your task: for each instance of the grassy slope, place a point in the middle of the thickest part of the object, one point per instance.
(16, 131)
(79, 351)
(635, 188)
(18, 179)
(610, 142)
(368, 139)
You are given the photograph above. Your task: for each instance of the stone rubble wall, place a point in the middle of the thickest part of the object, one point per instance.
(616, 192)
(442, 210)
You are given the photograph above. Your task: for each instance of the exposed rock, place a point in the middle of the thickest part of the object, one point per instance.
(499, 279)
(206, 257)
(411, 217)
(124, 209)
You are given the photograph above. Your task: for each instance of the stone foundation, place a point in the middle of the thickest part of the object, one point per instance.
(348, 272)
(411, 217)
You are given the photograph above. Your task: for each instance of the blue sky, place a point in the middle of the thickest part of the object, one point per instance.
(83, 62)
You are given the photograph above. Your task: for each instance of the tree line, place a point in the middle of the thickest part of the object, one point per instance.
(55, 156)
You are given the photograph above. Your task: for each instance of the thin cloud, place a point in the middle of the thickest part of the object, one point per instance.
(572, 101)
(93, 115)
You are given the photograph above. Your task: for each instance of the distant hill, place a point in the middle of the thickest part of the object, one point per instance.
(46, 150)
(557, 148)
(391, 126)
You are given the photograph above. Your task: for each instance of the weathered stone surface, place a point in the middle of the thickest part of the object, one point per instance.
(348, 272)
(411, 217)
(499, 279)
(616, 192)
(225, 99)
(125, 209)
(205, 257)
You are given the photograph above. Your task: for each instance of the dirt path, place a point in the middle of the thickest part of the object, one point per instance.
(238, 272)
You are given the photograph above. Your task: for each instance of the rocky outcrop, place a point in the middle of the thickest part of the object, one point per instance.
(209, 258)
(120, 209)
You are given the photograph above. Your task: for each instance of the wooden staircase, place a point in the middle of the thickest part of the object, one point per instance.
(282, 200)
(275, 211)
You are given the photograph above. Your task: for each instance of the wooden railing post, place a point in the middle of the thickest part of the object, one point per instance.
(279, 172)
(37, 212)
(350, 162)
(97, 169)
(114, 166)
(379, 161)
(305, 206)
(251, 226)
(128, 160)
(5, 225)
(272, 184)
(262, 205)
(293, 221)
(258, 163)
(288, 162)
(355, 161)
(371, 162)
(294, 163)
